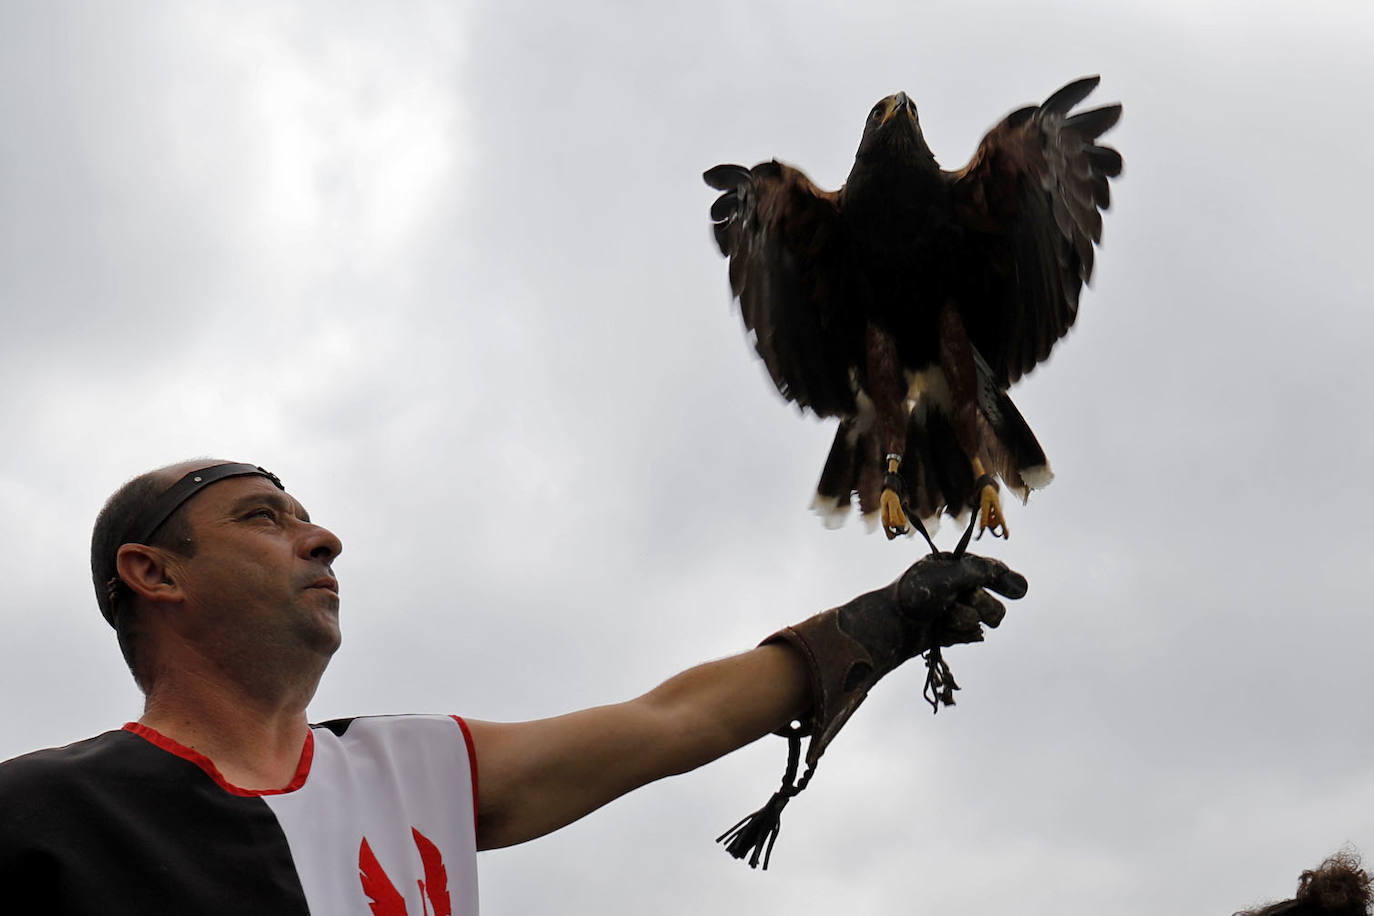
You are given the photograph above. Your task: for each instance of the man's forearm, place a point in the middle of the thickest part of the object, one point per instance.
(535, 777)
(723, 705)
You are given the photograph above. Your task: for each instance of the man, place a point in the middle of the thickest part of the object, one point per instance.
(221, 798)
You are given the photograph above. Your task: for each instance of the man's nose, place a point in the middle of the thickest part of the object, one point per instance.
(322, 543)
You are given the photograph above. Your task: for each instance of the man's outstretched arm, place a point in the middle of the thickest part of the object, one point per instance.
(535, 777)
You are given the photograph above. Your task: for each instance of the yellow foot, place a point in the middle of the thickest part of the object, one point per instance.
(990, 516)
(893, 518)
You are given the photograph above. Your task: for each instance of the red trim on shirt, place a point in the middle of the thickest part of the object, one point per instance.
(472, 765)
(171, 746)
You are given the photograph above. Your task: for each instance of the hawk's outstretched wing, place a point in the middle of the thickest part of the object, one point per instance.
(790, 267)
(1027, 206)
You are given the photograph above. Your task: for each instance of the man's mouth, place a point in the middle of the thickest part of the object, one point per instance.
(328, 583)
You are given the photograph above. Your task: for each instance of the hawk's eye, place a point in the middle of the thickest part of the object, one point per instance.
(877, 110)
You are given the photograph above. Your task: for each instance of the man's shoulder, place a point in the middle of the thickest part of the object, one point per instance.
(392, 735)
(53, 768)
(391, 723)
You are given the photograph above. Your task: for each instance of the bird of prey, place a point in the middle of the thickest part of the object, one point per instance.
(907, 302)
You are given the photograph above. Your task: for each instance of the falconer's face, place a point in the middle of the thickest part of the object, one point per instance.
(261, 573)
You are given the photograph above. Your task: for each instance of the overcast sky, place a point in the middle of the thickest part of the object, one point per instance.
(446, 268)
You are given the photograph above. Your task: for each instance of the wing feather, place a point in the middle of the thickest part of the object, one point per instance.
(1027, 208)
(789, 268)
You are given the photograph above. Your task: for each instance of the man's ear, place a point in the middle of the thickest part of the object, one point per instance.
(146, 571)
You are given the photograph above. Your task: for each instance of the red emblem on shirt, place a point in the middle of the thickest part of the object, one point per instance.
(382, 895)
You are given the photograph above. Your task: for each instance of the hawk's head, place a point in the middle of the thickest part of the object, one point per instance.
(893, 130)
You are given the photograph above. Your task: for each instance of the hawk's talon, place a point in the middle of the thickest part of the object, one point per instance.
(990, 517)
(893, 518)
(891, 502)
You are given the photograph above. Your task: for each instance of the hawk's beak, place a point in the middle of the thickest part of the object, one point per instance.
(893, 104)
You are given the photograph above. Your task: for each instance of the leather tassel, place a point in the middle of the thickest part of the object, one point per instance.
(755, 835)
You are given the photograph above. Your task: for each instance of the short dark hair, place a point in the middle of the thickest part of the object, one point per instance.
(1337, 887)
(111, 527)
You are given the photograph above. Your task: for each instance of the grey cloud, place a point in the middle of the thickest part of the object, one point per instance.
(449, 273)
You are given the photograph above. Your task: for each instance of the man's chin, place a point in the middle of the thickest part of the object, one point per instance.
(321, 635)
(328, 641)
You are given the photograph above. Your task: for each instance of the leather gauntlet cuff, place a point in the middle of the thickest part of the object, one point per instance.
(847, 650)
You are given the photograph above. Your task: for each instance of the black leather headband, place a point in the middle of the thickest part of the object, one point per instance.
(153, 517)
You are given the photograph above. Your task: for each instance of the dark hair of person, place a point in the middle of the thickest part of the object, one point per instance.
(114, 597)
(1337, 887)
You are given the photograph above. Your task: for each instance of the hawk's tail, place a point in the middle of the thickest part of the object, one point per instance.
(933, 466)
(853, 466)
(1011, 450)
(937, 473)
(936, 469)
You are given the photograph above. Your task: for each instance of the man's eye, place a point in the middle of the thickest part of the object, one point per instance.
(264, 512)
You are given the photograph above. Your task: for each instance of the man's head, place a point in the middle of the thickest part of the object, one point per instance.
(217, 553)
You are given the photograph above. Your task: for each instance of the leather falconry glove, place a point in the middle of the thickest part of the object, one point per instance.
(940, 601)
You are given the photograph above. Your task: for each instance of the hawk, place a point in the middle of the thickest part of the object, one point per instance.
(907, 302)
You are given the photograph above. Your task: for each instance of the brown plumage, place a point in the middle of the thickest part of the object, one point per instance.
(908, 301)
